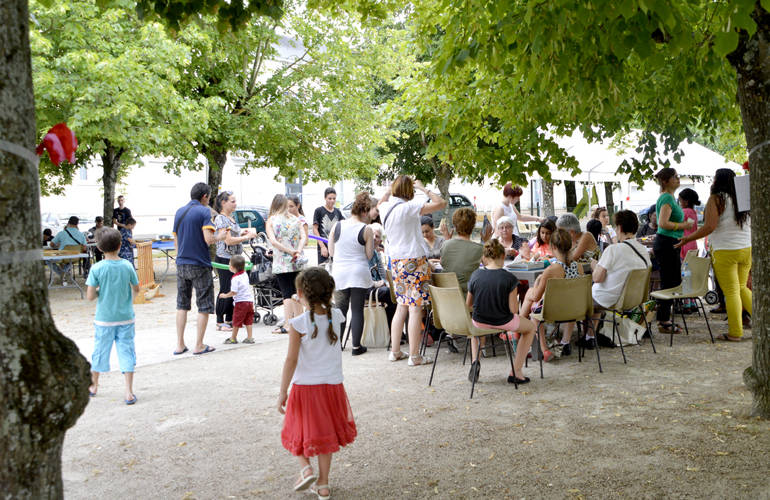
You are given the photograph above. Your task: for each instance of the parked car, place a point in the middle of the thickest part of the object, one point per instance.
(455, 201)
(251, 216)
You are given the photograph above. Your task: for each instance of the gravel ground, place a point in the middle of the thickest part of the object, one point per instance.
(672, 424)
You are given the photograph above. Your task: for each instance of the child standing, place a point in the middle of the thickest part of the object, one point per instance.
(318, 416)
(240, 290)
(492, 293)
(127, 241)
(688, 200)
(112, 281)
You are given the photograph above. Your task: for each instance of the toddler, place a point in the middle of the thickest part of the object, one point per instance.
(243, 309)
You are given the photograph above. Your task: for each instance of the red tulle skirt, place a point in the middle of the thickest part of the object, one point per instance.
(318, 420)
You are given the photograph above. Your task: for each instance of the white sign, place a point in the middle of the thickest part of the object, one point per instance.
(742, 192)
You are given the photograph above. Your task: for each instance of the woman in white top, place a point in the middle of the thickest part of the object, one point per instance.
(406, 248)
(730, 240)
(511, 195)
(351, 244)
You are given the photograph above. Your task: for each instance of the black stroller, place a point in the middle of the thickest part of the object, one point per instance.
(267, 295)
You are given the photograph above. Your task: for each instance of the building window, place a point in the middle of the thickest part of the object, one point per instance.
(83, 173)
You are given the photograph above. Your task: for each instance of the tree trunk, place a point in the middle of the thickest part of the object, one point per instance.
(443, 175)
(751, 60)
(609, 187)
(43, 378)
(216, 157)
(111, 167)
(569, 186)
(548, 208)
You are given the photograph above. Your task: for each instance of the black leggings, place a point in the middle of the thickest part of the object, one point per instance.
(670, 271)
(355, 298)
(224, 306)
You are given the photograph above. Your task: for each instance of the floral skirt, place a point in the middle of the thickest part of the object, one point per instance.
(411, 278)
(318, 420)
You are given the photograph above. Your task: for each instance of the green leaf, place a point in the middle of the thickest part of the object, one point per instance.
(724, 43)
(765, 4)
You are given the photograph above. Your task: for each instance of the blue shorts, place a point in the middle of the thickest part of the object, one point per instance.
(123, 336)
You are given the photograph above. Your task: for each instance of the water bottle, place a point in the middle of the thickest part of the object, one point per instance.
(686, 279)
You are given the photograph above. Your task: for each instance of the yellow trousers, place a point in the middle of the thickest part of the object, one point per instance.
(731, 268)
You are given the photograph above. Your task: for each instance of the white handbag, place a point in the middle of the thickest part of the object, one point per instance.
(376, 328)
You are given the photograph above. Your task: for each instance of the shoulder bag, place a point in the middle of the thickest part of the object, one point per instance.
(376, 329)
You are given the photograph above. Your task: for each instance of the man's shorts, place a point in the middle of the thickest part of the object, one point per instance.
(189, 276)
(243, 313)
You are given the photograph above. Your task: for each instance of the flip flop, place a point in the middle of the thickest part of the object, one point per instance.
(728, 338)
(91, 394)
(132, 400)
(280, 330)
(181, 352)
(205, 351)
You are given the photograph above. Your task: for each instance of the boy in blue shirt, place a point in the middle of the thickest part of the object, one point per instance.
(112, 281)
(127, 241)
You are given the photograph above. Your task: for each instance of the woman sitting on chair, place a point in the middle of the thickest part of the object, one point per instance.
(495, 303)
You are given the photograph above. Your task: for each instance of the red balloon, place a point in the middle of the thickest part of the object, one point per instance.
(60, 142)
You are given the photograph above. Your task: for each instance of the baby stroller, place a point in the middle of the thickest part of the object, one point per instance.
(267, 295)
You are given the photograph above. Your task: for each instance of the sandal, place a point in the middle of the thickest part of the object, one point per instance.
(305, 481)
(280, 330)
(224, 327)
(419, 360)
(397, 356)
(247, 340)
(669, 328)
(230, 341)
(322, 487)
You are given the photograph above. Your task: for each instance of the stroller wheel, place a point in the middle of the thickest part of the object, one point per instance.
(711, 297)
(257, 317)
(270, 319)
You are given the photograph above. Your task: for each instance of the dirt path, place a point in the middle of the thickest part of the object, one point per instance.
(671, 424)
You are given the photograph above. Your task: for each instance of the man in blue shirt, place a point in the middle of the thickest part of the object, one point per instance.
(70, 237)
(193, 233)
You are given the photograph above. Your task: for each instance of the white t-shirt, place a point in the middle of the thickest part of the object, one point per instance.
(319, 362)
(242, 288)
(618, 259)
(403, 228)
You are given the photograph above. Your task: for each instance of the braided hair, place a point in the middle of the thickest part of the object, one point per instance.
(317, 286)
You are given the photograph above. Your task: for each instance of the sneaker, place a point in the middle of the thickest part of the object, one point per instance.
(451, 346)
(419, 360)
(230, 341)
(357, 351)
(473, 374)
(392, 356)
(247, 341)
(585, 343)
(565, 350)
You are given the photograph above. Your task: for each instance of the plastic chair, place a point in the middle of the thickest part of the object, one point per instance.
(567, 301)
(456, 320)
(699, 267)
(449, 280)
(635, 292)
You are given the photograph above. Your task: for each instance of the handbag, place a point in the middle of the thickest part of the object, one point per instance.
(376, 329)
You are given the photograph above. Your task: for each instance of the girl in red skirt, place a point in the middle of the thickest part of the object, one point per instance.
(318, 416)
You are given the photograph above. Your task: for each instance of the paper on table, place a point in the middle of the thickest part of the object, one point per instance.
(743, 193)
